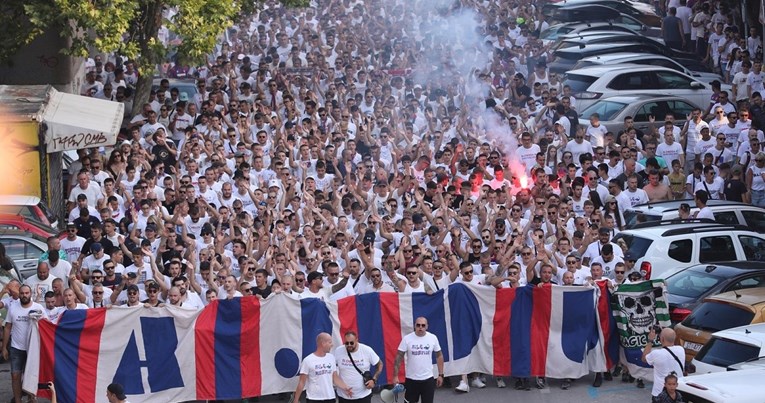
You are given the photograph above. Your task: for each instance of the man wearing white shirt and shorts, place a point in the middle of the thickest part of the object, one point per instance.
(418, 348)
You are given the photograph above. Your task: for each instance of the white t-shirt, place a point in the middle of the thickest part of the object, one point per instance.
(72, 248)
(365, 359)
(18, 316)
(705, 212)
(40, 287)
(419, 355)
(319, 385)
(663, 363)
(639, 196)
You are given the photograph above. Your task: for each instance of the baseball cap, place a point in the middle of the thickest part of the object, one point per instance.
(369, 236)
(273, 183)
(96, 247)
(183, 97)
(132, 274)
(133, 287)
(70, 224)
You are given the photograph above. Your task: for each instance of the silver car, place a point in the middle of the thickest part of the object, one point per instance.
(24, 249)
(613, 110)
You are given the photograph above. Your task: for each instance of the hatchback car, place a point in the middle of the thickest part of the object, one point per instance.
(551, 34)
(730, 347)
(725, 212)
(678, 64)
(666, 247)
(720, 312)
(593, 83)
(613, 110)
(28, 206)
(689, 287)
(743, 386)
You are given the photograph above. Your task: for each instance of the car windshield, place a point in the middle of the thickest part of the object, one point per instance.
(723, 352)
(579, 83)
(553, 33)
(633, 217)
(606, 109)
(636, 245)
(692, 283)
(713, 316)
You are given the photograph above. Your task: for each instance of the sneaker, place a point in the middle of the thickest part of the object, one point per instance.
(518, 383)
(617, 371)
(477, 383)
(501, 383)
(598, 380)
(541, 383)
(526, 384)
(607, 376)
(463, 387)
(566, 384)
(640, 384)
(626, 377)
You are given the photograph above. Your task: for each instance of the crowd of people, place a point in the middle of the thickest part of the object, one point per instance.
(383, 146)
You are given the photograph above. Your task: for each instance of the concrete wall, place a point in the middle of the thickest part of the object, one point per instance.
(41, 62)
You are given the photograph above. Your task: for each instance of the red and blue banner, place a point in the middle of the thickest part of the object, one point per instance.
(250, 347)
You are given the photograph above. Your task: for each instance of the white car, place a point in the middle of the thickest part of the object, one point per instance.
(743, 386)
(592, 83)
(664, 247)
(646, 59)
(729, 347)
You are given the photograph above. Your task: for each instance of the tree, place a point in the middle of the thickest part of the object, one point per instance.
(128, 27)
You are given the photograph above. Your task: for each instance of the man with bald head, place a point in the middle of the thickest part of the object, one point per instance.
(670, 358)
(318, 374)
(418, 349)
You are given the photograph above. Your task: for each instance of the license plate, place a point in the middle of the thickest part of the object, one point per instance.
(692, 346)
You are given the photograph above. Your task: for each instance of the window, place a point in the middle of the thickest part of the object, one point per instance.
(665, 63)
(681, 250)
(716, 249)
(578, 82)
(672, 80)
(751, 282)
(724, 352)
(680, 108)
(14, 248)
(754, 219)
(754, 247)
(606, 109)
(692, 283)
(635, 244)
(632, 81)
(714, 316)
(652, 108)
(726, 217)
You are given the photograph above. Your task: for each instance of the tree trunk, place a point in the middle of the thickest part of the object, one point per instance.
(151, 20)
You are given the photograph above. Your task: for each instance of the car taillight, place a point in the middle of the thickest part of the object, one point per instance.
(679, 314)
(645, 269)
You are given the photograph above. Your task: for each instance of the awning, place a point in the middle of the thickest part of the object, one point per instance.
(76, 122)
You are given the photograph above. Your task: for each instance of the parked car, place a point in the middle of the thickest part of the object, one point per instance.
(725, 212)
(651, 60)
(20, 223)
(690, 286)
(28, 206)
(613, 110)
(24, 249)
(665, 247)
(729, 347)
(551, 34)
(593, 83)
(723, 387)
(184, 86)
(564, 59)
(593, 37)
(596, 10)
(720, 312)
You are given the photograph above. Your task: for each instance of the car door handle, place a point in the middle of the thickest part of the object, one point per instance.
(30, 264)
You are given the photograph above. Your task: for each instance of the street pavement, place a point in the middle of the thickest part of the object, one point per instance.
(580, 391)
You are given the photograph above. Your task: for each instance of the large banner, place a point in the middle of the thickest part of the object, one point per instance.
(637, 308)
(250, 347)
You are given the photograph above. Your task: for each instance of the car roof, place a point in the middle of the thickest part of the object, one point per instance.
(603, 69)
(615, 57)
(592, 47)
(751, 334)
(673, 205)
(667, 228)
(747, 296)
(631, 98)
(19, 200)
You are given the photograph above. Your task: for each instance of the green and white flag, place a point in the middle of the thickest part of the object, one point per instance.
(637, 307)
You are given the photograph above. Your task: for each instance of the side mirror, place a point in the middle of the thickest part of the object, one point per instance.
(697, 85)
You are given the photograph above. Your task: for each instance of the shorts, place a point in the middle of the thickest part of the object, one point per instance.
(365, 399)
(18, 360)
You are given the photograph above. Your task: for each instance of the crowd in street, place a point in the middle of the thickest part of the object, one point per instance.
(356, 147)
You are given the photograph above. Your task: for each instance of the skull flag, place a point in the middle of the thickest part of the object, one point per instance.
(637, 307)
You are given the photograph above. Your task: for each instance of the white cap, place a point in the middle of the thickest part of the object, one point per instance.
(273, 182)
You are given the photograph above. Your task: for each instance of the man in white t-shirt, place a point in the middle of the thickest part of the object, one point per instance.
(354, 359)
(527, 153)
(701, 199)
(18, 327)
(40, 283)
(418, 349)
(666, 360)
(318, 373)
